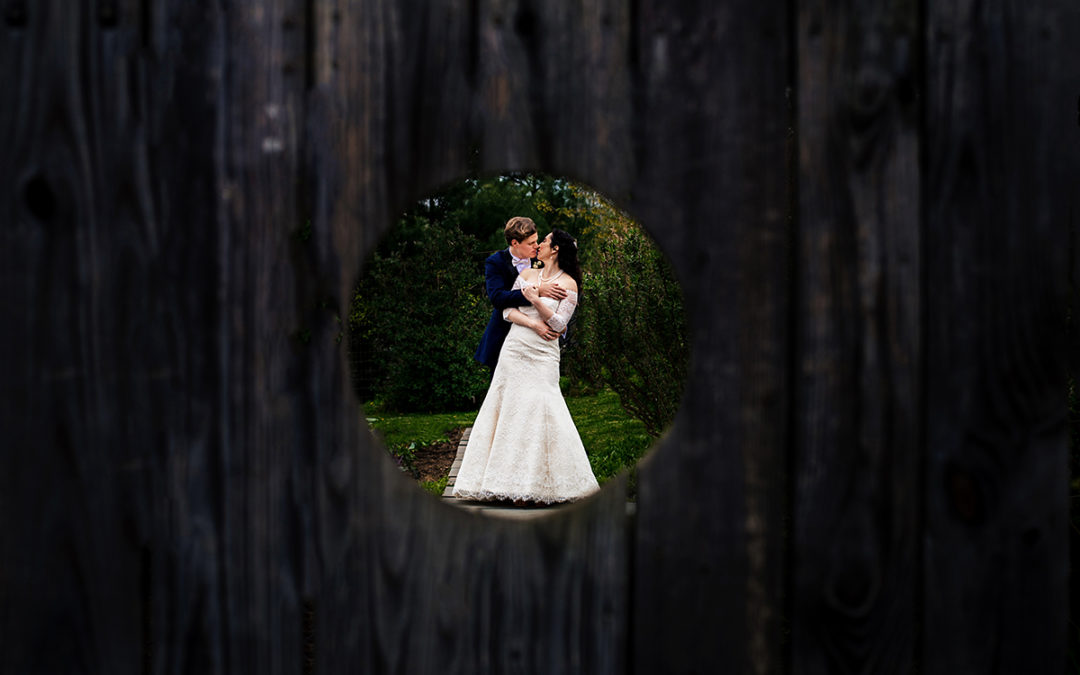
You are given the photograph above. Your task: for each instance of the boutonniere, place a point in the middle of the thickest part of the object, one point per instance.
(536, 265)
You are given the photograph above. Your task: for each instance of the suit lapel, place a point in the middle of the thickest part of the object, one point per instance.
(508, 263)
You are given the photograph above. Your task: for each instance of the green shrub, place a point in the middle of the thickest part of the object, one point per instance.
(404, 455)
(632, 333)
(416, 319)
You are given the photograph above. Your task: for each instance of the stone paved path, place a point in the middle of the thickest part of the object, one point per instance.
(456, 466)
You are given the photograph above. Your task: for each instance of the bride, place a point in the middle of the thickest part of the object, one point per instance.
(524, 445)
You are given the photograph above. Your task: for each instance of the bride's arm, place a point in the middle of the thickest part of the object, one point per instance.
(513, 315)
(529, 290)
(560, 316)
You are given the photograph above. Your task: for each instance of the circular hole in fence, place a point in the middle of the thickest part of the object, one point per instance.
(581, 377)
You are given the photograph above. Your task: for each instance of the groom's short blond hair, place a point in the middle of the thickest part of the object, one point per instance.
(520, 228)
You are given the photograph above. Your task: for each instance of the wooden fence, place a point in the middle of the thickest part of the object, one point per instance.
(872, 209)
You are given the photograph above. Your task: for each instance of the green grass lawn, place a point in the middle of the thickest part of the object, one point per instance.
(612, 438)
(422, 429)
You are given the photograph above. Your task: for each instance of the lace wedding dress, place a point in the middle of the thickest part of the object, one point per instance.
(523, 444)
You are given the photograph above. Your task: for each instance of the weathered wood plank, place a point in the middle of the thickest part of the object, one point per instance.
(78, 341)
(710, 143)
(160, 174)
(554, 90)
(858, 357)
(408, 584)
(188, 623)
(268, 318)
(1001, 154)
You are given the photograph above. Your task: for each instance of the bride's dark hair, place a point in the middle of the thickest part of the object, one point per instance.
(568, 260)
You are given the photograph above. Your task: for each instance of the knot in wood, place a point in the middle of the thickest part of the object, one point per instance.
(964, 495)
(853, 580)
(15, 13)
(525, 24)
(853, 587)
(108, 16)
(1031, 537)
(39, 198)
(871, 90)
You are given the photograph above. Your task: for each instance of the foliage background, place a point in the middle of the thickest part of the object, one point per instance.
(420, 307)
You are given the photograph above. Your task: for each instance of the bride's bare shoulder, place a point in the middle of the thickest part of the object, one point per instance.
(529, 274)
(568, 283)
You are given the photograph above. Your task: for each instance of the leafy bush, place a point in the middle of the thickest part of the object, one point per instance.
(632, 335)
(416, 319)
(404, 455)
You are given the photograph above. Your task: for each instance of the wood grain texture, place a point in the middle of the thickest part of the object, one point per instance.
(189, 191)
(163, 454)
(554, 83)
(185, 612)
(710, 138)
(78, 341)
(858, 357)
(1002, 159)
(408, 585)
(268, 319)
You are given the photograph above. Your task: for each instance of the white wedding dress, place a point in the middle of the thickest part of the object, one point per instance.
(523, 444)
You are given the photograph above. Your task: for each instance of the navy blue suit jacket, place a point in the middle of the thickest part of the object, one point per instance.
(499, 276)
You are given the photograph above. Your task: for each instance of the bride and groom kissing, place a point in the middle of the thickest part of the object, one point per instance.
(524, 446)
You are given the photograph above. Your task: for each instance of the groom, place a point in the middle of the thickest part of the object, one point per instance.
(500, 270)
